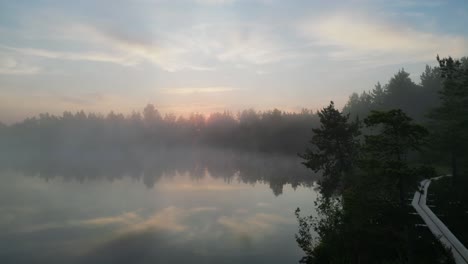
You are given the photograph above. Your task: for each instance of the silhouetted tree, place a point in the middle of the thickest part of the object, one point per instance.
(334, 148)
(431, 85)
(396, 136)
(451, 117)
(367, 222)
(378, 95)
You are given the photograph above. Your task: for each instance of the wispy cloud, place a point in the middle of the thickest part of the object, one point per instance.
(74, 56)
(199, 47)
(197, 90)
(350, 36)
(123, 48)
(10, 66)
(303, 52)
(419, 3)
(86, 99)
(214, 2)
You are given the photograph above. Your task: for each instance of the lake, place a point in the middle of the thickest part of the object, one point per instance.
(174, 206)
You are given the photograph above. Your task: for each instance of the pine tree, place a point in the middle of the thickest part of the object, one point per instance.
(451, 117)
(378, 97)
(397, 136)
(334, 148)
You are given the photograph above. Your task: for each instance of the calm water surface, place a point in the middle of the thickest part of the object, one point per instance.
(188, 212)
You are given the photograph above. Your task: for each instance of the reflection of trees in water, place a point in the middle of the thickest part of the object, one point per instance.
(149, 167)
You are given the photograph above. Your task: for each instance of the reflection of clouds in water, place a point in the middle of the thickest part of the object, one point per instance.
(96, 225)
(126, 218)
(169, 219)
(42, 227)
(180, 228)
(202, 209)
(213, 187)
(258, 223)
(262, 204)
(10, 214)
(178, 220)
(119, 220)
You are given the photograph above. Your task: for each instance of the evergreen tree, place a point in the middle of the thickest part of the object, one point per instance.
(401, 92)
(350, 227)
(389, 147)
(378, 96)
(451, 117)
(334, 148)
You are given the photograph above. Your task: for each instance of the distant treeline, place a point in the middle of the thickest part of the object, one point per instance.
(268, 131)
(265, 131)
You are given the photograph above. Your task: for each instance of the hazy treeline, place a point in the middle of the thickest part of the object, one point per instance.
(421, 101)
(268, 131)
(401, 92)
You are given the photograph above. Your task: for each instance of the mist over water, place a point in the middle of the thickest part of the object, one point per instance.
(194, 205)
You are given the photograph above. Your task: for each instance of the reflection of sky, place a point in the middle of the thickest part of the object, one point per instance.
(181, 219)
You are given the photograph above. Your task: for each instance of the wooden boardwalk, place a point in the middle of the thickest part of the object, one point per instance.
(437, 227)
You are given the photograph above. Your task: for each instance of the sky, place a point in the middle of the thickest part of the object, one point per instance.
(203, 56)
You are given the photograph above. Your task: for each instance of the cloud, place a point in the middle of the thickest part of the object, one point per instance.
(86, 99)
(171, 51)
(197, 90)
(121, 47)
(11, 66)
(256, 44)
(416, 3)
(198, 47)
(75, 56)
(214, 2)
(357, 37)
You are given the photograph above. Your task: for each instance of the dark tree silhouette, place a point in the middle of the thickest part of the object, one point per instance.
(334, 148)
(368, 223)
(396, 137)
(451, 117)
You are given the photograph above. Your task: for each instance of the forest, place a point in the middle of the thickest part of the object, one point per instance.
(371, 169)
